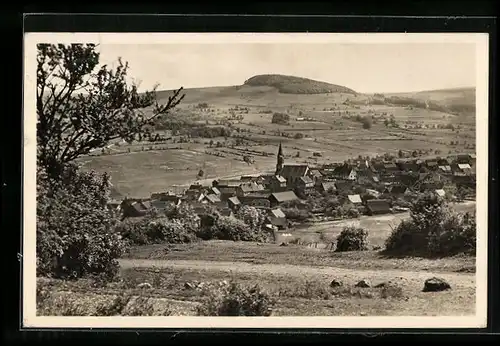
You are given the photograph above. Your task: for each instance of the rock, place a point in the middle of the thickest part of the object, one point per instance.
(189, 286)
(435, 284)
(336, 283)
(146, 285)
(363, 283)
(283, 244)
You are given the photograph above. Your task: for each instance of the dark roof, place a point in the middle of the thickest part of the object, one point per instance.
(278, 221)
(306, 180)
(327, 185)
(227, 190)
(228, 183)
(398, 189)
(225, 212)
(284, 196)
(343, 170)
(294, 170)
(378, 205)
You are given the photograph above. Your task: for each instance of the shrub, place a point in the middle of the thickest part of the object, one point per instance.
(367, 122)
(352, 239)
(433, 230)
(230, 228)
(75, 228)
(134, 231)
(169, 231)
(235, 300)
(298, 135)
(280, 118)
(296, 214)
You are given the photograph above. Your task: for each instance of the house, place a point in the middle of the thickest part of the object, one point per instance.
(355, 199)
(428, 182)
(209, 198)
(277, 183)
(316, 175)
(294, 172)
(344, 186)
(226, 183)
(440, 192)
(373, 193)
(445, 169)
(378, 206)
(345, 172)
(114, 204)
(246, 188)
(462, 169)
(465, 158)
(226, 212)
(406, 178)
(226, 192)
(278, 198)
(277, 218)
(214, 190)
(233, 202)
(256, 199)
(162, 204)
(432, 165)
(408, 166)
(397, 190)
(249, 178)
(390, 167)
(327, 186)
(304, 184)
(135, 208)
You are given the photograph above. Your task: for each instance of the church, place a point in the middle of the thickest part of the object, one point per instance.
(291, 172)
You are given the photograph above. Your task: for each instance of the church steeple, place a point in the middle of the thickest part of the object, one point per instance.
(280, 160)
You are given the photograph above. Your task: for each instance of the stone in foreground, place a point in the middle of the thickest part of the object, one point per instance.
(436, 285)
(363, 284)
(336, 283)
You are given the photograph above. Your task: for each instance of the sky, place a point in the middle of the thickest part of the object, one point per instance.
(366, 68)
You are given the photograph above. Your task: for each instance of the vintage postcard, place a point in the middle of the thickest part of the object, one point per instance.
(255, 180)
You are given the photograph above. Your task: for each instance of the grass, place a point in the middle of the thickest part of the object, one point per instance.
(255, 253)
(295, 295)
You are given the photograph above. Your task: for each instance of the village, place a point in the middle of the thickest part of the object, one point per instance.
(296, 193)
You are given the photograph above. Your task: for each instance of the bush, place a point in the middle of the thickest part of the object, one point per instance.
(253, 217)
(230, 228)
(298, 135)
(296, 214)
(235, 300)
(75, 229)
(176, 225)
(433, 230)
(367, 122)
(169, 231)
(352, 239)
(280, 118)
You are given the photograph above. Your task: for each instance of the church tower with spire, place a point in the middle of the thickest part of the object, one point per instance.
(280, 160)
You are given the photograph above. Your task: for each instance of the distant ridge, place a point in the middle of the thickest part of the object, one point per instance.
(296, 85)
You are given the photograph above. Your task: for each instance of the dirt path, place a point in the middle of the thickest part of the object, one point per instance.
(456, 279)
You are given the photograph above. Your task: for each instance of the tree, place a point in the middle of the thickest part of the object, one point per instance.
(82, 107)
(367, 123)
(75, 229)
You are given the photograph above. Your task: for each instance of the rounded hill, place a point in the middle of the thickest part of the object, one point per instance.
(296, 85)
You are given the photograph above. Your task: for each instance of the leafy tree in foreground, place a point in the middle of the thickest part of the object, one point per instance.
(75, 229)
(82, 107)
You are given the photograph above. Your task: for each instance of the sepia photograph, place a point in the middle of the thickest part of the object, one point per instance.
(255, 180)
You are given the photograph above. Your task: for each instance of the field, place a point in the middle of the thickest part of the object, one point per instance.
(324, 124)
(299, 276)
